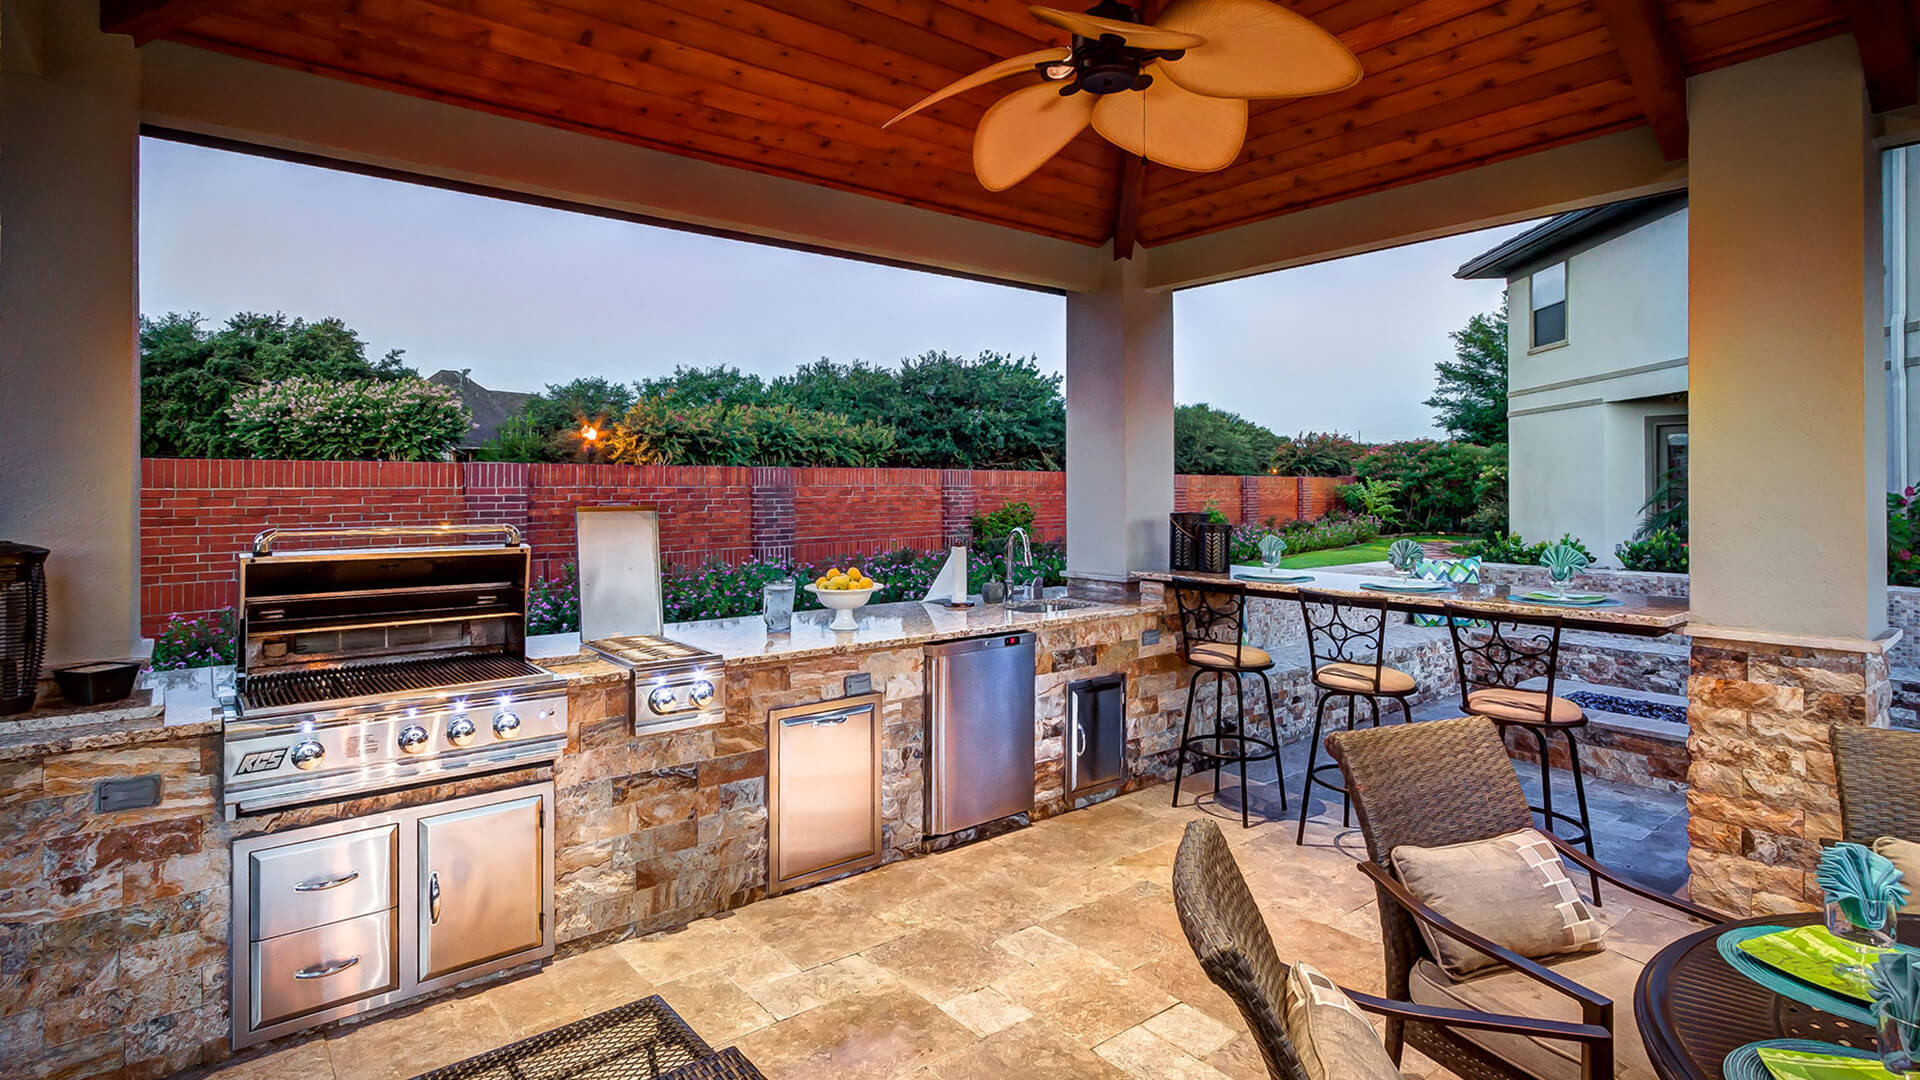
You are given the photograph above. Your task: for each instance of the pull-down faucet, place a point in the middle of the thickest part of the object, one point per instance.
(1024, 591)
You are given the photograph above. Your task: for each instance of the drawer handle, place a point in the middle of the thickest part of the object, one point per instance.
(433, 897)
(321, 971)
(320, 884)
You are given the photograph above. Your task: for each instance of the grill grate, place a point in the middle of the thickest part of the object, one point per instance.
(282, 688)
(640, 649)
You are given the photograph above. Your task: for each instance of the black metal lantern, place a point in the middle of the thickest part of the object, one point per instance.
(23, 624)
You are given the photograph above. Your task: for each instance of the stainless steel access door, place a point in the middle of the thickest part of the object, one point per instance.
(824, 790)
(481, 882)
(1096, 734)
(979, 730)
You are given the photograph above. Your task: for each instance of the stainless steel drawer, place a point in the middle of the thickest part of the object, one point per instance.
(328, 965)
(314, 882)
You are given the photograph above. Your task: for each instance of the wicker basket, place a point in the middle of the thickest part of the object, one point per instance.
(1198, 544)
(23, 624)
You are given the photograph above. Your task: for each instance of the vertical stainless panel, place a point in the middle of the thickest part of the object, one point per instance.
(980, 730)
(824, 789)
(480, 885)
(1096, 734)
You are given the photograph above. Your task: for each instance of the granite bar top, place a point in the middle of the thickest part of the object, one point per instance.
(744, 641)
(141, 718)
(1633, 613)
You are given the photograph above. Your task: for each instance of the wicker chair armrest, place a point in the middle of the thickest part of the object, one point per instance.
(1685, 907)
(1466, 1018)
(1594, 1008)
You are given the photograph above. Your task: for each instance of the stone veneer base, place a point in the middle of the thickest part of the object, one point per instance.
(1761, 792)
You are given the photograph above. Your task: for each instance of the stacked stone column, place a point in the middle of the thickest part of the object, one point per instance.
(1761, 792)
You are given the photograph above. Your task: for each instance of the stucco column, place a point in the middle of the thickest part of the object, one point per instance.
(1119, 424)
(1787, 418)
(69, 411)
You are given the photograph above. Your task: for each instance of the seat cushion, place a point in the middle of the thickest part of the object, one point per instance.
(1636, 935)
(1524, 706)
(1904, 854)
(1331, 1036)
(1510, 889)
(1359, 677)
(1223, 654)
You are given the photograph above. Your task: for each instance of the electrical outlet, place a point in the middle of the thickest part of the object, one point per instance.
(859, 684)
(131, 793)
(1149, 637)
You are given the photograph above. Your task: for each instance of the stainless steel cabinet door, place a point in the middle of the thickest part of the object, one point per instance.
(1096, 734)
(825, 789)
(980, 730)
(480, 884)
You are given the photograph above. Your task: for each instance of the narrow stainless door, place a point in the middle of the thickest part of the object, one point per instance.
(480, 884)
(980, 730)
(1096, 734)
(825, 791)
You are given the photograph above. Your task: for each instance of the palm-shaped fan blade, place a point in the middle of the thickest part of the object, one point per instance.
(1256, 49)
(1172, 125)
(1135, 34)
(1012, 65)
(1023, 130)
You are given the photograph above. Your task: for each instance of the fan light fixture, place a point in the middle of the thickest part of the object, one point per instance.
(1174, 91)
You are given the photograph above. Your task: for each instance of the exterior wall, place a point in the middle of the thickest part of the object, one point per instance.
(1577, 427)
(196, 516)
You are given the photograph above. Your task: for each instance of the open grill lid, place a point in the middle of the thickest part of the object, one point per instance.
(358, 605)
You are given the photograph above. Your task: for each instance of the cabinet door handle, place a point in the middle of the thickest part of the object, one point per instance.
(433, 897)
(319, 884)
(321, 971)
(1079, 739)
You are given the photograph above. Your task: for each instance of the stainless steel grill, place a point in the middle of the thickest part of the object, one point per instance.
(281, 689)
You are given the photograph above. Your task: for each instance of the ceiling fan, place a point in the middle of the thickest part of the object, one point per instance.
(1174, 91)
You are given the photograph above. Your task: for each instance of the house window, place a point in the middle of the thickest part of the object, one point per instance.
(1550, 305)
(1666, 464)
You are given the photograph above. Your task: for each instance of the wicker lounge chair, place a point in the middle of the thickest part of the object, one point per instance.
(1879, 774)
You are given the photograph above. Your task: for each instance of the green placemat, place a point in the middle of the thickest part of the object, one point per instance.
(1813, 955)
(1801, 1059)
(1567, 599)
(1728, 945)
(1424, 588)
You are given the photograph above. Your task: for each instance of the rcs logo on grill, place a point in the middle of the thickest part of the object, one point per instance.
(261, 761)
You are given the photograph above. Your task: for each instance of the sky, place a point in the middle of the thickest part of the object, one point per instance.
(524, 296)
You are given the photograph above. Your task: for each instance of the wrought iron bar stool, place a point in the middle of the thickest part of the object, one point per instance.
(1346, 648)
(1212, 632)
(1492, 663)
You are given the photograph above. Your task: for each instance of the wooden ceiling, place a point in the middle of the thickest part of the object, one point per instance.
(799, 88)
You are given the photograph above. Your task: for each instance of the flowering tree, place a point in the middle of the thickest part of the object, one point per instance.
(349, 420)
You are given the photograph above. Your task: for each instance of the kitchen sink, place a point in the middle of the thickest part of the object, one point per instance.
(1058, 603)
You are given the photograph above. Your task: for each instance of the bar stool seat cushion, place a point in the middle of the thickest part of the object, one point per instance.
(1523, 707)
(1359, 678)
(1226, 656)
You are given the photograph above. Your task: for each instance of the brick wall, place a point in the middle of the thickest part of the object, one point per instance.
(196, 516)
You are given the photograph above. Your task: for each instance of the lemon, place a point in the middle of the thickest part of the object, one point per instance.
(821, 582)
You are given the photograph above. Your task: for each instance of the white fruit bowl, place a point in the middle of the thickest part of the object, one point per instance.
(844, 603)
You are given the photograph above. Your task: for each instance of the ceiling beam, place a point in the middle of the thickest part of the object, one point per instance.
(148, 20)
(1884, 32)
(1126, 210)
(1654, 65)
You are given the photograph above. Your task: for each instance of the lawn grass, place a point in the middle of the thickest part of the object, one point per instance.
(1372, 551)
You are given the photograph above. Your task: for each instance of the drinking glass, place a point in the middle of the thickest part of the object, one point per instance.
(1862, 938)
(1899, 1045)
(777, 600)
(1272, 549)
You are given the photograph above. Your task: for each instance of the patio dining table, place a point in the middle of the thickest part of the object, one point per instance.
(1636, 614)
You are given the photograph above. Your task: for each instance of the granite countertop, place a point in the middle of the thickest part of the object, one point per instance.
(142, 718)
(1629, 613)
(744, 640)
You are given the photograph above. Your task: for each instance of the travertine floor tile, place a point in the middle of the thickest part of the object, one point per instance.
(866, 1036)
(943, 963)
(714, 1006)
(1085, 996)
(304, 1061)
(1148, 1057)
(439, 1034)
(1037, 945)
(1191, 1030)
(699, 946)
(566, 990)
(815, 926)
(985, 1011)
(814, 987)
(1135, 926)
(1031, 1048)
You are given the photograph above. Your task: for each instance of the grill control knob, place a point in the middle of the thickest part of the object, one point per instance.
(661, 699)
(307, 754)
(506, 725)
(413, 739)
(701, 693)
(460, 730)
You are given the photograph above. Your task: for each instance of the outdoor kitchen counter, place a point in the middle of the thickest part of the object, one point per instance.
(882, 626)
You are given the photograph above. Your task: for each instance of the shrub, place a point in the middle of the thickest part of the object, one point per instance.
(1373, 498)
(999, 524)
(553, 604)
(662, 431)
(1314, 453)
(1303, 536)
(1903, 526)
(192, 643)
(1664, 550)
(349, 420)
(1443, 484)
(1510, 548)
